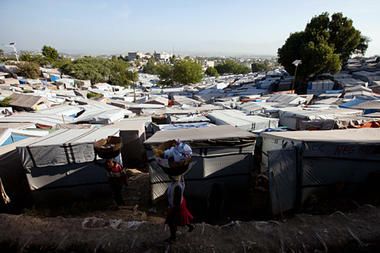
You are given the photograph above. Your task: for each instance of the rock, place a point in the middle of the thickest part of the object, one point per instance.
(132, 172)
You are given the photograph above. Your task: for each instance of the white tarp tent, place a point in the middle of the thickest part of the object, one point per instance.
(239, 119)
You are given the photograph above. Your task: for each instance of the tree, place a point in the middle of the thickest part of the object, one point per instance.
(113, 70)
(165, 73)
(151, 67)
(118, 72)
(28, 70)
(94, 69)
(187, 71)
(211, 71)
(50, 53)
(260, 66)
(323, 46)
(231, 67)
(39, 59)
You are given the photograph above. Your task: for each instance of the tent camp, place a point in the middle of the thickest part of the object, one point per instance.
(64, 159)
(302, 163)
(221, 154)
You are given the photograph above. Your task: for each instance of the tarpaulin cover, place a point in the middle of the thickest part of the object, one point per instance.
(201, 134)
(325, 158)
(227, 165)
(62, 147)
(239, 119)
(66, 176)
(282, 180)
(216, 160)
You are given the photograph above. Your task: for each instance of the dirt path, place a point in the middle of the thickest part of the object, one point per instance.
(358, 231)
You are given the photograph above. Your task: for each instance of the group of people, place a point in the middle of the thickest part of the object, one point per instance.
(177, 215)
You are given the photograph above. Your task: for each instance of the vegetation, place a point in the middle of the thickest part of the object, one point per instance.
(260, 66)
(232, 67)
(211, 71)
(5, 102)
(35, 58)
(151, 67)
(94, 95)
(325, 44)
(28, 70)
(187, 71)
(114, 71)
(184, 71)
(165, 72)
(50, 53)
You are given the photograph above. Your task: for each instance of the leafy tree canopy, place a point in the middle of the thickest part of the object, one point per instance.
(323, 46)
(187, 71)
(36, 58)
(28, 70)
(231, 67)
(114, 71)
(151, 67)
(165, 73)
(260, 66)
(184, 71)
(50, 53)
(211, 71)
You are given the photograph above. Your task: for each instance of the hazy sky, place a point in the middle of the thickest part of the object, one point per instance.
(212, 27)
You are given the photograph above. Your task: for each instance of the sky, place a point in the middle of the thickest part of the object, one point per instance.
(195, 27)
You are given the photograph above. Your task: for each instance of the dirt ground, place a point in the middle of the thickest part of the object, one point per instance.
(100, 226)
(358, 231)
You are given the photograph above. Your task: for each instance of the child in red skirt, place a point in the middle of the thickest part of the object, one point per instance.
(178, 214)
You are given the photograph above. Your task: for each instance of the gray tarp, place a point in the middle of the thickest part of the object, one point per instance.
(214, 161)
(200, 134)
(65, 158)
(325, 158)
(62, 147)
(282, 180)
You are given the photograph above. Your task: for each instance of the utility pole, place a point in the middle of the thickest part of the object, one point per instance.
(13, 46)
(295, 63)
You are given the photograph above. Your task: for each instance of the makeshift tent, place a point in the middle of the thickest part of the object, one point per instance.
(12, 173)
(293, 118)
(302, 163)
(239, 119)
(368, 106)
(221, 154)
(133, 135)
(64, 158)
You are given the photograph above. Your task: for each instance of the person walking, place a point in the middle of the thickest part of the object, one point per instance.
(178, 214)
(117, 179)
